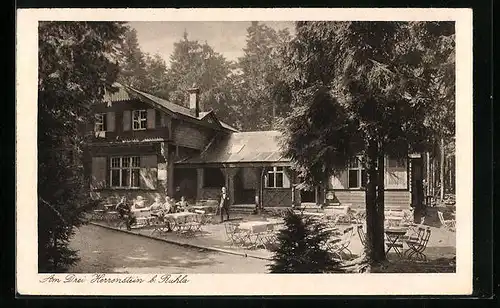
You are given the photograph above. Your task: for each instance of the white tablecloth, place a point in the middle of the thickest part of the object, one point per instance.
(256, 226)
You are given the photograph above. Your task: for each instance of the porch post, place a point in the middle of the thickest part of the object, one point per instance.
(258, 192)
(199, 183)
(170, 172)
(229, 174)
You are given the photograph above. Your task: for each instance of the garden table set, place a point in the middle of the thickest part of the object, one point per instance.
(252, 234)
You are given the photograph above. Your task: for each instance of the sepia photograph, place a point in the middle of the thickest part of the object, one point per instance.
(172, 148)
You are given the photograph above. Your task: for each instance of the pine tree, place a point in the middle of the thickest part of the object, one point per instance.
(265, 98)
(300, 247)
(391, 87)
(132, 63)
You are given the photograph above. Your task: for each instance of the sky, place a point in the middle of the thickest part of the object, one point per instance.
(225, 37)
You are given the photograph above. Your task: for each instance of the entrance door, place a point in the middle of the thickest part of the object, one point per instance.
(308, 196)
(186, 180)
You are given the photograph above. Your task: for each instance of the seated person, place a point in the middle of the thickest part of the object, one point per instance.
(169, 206)
(139, 203)
(157, 206)
(125, 211)
(183, 205)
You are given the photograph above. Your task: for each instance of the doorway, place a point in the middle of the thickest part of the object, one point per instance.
(308, 195)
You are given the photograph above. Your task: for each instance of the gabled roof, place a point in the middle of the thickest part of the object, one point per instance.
(125, 93)
(242, 147)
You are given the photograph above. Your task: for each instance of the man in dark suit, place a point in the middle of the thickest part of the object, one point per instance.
(224, 204)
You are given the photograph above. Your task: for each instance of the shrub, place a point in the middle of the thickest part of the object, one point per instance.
(300, 247)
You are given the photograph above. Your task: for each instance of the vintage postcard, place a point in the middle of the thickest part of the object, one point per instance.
(244, 152)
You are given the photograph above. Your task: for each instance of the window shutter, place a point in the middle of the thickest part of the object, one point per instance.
(286, 178)
(163, 120)
(98, 179)
(110, 118)
(338, 181)
(395, 175)
(151, 118)
(127, 120)
(149, 172)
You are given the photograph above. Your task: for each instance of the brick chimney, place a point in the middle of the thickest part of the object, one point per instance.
(194, 100)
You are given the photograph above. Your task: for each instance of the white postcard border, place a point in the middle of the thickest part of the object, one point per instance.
(27, 277)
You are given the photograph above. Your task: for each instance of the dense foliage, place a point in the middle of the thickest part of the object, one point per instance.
(247, 94)
(75, 66)
(385, 88)
(300, 247)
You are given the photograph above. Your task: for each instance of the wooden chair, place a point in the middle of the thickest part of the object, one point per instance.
(160, 224)
(362, 235)
(448, 224)
(418, 244)
(340, 246)
(234, 235)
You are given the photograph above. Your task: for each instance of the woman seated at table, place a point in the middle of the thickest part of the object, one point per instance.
(169, 206)
(139, 204)
(182, 205)
(157, 206)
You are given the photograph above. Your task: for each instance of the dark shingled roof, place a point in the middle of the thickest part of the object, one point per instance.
(123, 93)
(242, 147)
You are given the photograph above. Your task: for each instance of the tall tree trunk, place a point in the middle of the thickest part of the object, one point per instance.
(380, 201)
(374, 212)
(441, 171)
(428, 173)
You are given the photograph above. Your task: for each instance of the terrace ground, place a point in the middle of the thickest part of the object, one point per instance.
(210, 251)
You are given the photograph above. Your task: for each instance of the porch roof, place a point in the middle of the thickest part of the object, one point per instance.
(258, 147)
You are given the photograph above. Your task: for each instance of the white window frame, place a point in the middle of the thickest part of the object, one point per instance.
(359, 169)
(275, 171)
(100, 121)
(140, 117)
(129, 163)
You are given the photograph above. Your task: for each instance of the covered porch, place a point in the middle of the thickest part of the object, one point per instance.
(261, 184)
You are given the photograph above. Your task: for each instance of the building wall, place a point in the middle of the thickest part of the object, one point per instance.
(119, 122)
(273, 197)
(392, 198)
(188, 135)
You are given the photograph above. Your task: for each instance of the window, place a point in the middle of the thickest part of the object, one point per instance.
(100, 122)
(396, 162)
(357, 173)
(139, 119)
(125, 171)
(275, 177)
(213, 177)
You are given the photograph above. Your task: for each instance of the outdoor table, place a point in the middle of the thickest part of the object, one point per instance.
(256, 228)
(109, 207)
(177, 219)
(202, 207)
(393, 235)
(393, 220)
(313, 214)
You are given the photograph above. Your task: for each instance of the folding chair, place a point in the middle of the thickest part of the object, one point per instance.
(234, 235)
(448, 224)
(417, 245)
(362, 235)
(160, 224)
(338, 246)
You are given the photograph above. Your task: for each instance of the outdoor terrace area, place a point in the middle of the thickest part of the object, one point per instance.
(428, 246)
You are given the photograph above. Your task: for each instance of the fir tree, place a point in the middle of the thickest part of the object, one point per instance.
(300, 247)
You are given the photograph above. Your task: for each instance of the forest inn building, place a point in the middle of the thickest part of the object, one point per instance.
(145, 145)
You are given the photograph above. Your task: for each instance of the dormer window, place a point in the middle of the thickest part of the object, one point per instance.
(139, 119)
(100, 122)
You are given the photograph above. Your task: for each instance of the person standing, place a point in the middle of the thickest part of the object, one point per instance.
(224, 204)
